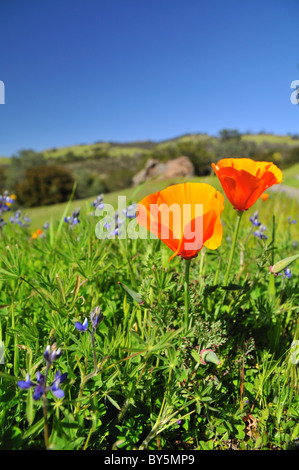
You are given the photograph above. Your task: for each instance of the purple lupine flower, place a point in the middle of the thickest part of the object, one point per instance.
(260, 233)
(98, 202)
(5, 202)
(82, 326)
(52, 353)
(287, 273)
(74, 218)
(38, 392)
(55, 386)
(255, 219)
(26, 383)
(40, 385)
(96, 317)
(18, 220)
(131, 211)
(41, 388)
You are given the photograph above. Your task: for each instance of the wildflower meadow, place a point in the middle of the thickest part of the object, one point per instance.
(169, 323)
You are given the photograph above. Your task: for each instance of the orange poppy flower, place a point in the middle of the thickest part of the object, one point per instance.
(244, 180)
(264, 196)
(185, 217)
(36, 234)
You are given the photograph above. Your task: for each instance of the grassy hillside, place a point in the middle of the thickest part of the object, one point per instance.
(4, 160)
(271, 139)
(291, 176)
(117, 149)
(40, 215)
(90, 150)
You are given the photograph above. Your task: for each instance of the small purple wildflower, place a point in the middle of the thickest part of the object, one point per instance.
(52, 353)
(96, 317)
(260, 233)
(287, 273)
(74, 218)
(255, 219)
(55, 386)
(5, 202)
(131, 211)
(292, 221)
(98, 202)
(26, 383)
(41, 388)
(19, 220)
(82, 326)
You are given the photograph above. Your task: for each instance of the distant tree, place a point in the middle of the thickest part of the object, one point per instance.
(2, 180)
(88, 184)
(227, 134)
(19, 163)
(44, 185)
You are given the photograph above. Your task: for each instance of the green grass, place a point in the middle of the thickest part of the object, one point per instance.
(4, 160)
(272, 139)
(88, 150)
(291, 176)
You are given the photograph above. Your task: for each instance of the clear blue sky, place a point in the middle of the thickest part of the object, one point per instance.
(120, 70)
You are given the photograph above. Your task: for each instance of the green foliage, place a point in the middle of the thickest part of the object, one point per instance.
(88, 184)
(142, 384)
(44, 185)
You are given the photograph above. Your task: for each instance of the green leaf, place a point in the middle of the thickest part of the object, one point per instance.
(135, 295)
(196, 356)
(29, 407)
(113, 403)
(7, 273)
(35, 429)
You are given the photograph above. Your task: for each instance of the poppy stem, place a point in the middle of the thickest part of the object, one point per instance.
(186, 288)
(239, 216)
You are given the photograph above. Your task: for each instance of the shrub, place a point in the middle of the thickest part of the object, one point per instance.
(44, 185)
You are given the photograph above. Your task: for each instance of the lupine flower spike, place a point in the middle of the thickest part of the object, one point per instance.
(254, 219)
(96, 317)
(51, 353)
(260, 233)
(74, 218)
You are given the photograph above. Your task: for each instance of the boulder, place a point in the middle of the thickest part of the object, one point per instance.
(177, 168)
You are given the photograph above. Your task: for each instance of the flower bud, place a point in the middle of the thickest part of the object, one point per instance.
(208, 355)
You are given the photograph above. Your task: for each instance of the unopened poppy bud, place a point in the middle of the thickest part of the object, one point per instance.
(282, 264)
(208, 355)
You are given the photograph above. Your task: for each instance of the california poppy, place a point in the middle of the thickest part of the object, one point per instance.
(244, 180)
(264, 196)
(36, 234)
(185, 217)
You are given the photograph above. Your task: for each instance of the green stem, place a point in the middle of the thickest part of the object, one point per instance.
(45, 410)
(186, 288)
(239, 216)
